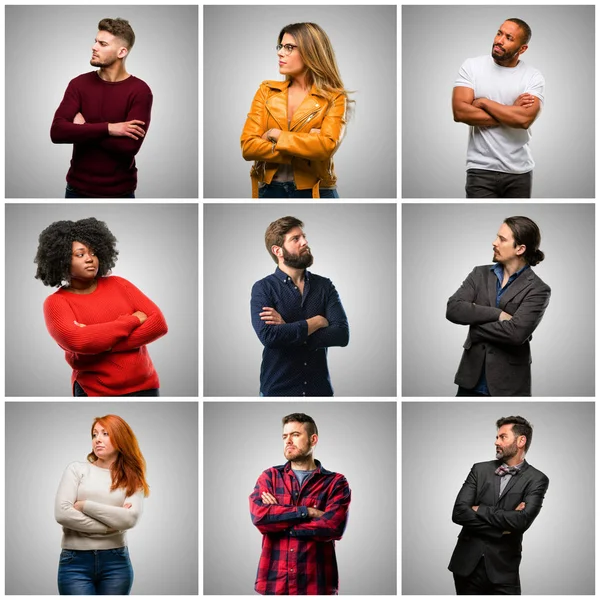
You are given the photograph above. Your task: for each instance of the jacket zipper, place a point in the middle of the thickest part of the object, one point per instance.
(305, 119)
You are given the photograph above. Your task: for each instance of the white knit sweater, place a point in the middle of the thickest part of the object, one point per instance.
(102, 510)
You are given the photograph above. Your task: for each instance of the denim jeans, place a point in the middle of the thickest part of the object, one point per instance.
(79, 391)
(287, 189)
(494, 184)
(95, 572)
(71, 192)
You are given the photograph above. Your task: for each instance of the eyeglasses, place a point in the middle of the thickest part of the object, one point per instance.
(287, 49)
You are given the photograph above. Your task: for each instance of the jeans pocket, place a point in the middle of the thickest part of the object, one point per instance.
(66, 557)
(121, 552)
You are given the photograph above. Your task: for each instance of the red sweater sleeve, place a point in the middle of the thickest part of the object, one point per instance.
(91, 339)
(64, 131)
(151, 329)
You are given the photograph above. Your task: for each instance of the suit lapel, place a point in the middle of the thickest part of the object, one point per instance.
(496, 483)
(520, 283)
(491, 287)
(513, 480)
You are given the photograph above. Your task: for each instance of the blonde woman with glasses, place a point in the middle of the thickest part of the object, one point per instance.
(295, 126)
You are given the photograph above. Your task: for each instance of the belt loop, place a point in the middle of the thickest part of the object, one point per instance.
(315, 190)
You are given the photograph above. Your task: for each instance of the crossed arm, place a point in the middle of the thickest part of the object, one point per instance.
(70, 126)
(302, 521)
(319, 331)
(318, 144)
(92, 517)
(494, 522)
(127, 332)
(481, 112)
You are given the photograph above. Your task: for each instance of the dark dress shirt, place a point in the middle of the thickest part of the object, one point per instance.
(293, 362)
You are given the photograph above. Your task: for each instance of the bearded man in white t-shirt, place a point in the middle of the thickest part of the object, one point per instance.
(499, 97)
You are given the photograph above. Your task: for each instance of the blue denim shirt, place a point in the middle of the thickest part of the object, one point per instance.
(293, 362)
(498, 269)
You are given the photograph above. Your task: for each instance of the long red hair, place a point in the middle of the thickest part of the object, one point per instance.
(129, 469)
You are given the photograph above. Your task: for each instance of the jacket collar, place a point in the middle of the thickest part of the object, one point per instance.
(525, 279)
(282, 86)
(277, 104)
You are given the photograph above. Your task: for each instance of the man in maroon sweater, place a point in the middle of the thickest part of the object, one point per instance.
(105, 114)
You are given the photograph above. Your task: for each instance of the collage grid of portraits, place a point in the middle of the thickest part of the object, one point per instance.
(396, 245)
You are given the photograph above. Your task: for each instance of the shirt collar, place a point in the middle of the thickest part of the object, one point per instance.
(519, 466)
(284, 277)
(319, 469)
(498, 269)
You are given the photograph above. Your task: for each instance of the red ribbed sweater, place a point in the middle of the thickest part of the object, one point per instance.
(102, 166)
(108, 355)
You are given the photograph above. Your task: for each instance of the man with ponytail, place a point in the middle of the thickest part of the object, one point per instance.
(502, 304)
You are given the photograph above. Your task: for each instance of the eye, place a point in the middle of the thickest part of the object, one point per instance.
(289, 47)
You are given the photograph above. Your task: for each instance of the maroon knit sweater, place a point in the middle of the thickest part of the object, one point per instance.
(102, 166)
(108, 356)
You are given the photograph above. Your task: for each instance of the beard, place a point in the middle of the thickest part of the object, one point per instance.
(96, 62)
(298, 454)
(297, 261)
(504, 56)
(507, 453)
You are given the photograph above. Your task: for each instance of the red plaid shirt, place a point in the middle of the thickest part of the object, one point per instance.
(298, 552)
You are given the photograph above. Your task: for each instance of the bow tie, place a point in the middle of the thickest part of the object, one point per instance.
(501, 471)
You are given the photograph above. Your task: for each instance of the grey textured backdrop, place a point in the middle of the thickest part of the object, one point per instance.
(354, 245)
(239, 54)
(158, 253)
(42, 438)
(440, 443)
(436, 40)
(50, 45)
(357, 439)
(440, 246)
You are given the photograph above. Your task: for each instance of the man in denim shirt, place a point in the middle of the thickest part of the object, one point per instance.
(297, 315)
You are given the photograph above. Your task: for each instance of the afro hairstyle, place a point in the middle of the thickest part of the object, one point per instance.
(55, 247)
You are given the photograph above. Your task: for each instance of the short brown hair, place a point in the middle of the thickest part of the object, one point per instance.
(119, 28)
(275, 234)
(520, 426)
(308, 422)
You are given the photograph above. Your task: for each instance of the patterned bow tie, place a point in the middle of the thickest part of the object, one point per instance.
(501, 471)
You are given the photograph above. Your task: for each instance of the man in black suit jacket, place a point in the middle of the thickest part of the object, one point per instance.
(497, 503)
(502, 304)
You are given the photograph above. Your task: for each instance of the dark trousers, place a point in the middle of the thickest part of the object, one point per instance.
(71, 192)
(287, 189)
(465, 392)
(494, 184)
(79, 391)
(478, 583)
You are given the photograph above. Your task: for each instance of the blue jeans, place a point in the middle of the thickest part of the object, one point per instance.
(95, 572)
(287, 189)
(79, 391)
(71, 192)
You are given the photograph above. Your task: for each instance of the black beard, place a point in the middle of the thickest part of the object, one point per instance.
(508, 453)
(505, 57)
(297, 261)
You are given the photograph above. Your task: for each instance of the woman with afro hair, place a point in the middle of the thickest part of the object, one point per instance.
(102, 322)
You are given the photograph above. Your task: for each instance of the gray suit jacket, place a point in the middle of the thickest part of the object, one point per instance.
(503, 346)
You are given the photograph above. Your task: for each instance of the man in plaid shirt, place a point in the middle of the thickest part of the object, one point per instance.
(300, 508)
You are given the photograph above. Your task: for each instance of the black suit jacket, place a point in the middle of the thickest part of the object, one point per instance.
(483, 531)
(503, 346)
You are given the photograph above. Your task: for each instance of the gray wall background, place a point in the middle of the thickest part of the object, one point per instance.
(47, 46)
(436, 40)
(354, 245)
(42, 438)
(440, 443)
(158, 253)
(441, 243)
(357, 439)
(239, 54)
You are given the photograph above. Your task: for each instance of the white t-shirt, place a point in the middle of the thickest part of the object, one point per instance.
(500, 148)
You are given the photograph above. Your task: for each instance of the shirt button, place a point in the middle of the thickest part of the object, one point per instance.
(291, 550)
(305, 383)
(304, 393)
(305, 364)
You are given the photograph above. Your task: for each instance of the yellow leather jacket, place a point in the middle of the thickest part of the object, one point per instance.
(310, 154)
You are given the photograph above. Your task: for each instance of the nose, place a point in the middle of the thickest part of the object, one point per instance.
(280, 53)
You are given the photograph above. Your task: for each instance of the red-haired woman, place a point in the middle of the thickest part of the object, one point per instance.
(96, 502)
